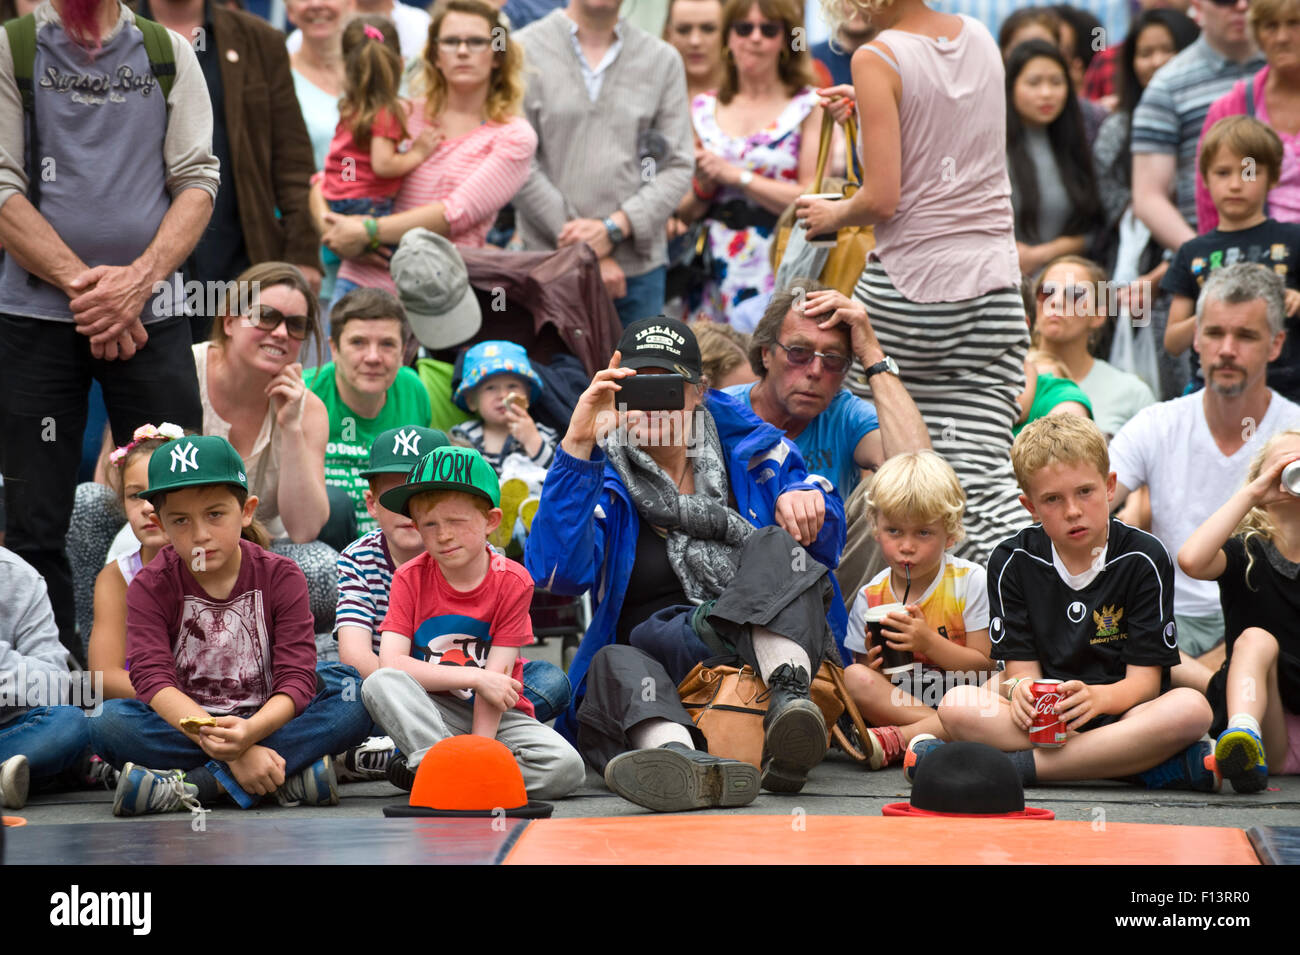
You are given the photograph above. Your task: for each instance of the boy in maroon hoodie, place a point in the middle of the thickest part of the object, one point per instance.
(223, 657)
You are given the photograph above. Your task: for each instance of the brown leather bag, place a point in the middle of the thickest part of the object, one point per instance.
(728, 704)
(849, 257)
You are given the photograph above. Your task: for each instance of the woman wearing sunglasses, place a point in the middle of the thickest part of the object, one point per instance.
(1072, 299)
(756, 149)
(252, 392)
(942, 284)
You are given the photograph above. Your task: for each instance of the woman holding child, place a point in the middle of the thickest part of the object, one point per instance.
(472, 92)
(684, 527)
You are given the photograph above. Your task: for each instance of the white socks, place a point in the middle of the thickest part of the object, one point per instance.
(772, 650)
(1244, 721)
(653, 733)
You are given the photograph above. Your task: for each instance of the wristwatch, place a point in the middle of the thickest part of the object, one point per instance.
(746, 177)
(613, 231)
(888, 364)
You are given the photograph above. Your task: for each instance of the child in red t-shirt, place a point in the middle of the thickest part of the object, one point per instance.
(457, 616)
(363, 169)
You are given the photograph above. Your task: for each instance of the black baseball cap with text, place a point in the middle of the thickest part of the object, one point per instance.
(662, 342)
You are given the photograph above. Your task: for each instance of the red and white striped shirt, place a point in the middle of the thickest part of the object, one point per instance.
(473, 176)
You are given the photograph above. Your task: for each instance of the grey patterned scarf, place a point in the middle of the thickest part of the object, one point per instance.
(705, 535)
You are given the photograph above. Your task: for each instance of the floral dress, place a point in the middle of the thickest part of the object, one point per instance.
(741, 269)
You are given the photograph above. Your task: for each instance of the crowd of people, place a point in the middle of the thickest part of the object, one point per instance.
(328, 360)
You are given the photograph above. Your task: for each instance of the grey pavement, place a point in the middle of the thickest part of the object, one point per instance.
(837, 787)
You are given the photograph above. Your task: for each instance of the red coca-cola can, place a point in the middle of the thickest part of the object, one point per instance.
(1047, 729)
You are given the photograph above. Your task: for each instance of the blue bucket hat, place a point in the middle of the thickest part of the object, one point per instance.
(495, 358)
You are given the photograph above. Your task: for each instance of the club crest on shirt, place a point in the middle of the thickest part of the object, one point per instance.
(1107, 621)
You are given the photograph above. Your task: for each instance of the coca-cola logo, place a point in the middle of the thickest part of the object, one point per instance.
(1046, 703)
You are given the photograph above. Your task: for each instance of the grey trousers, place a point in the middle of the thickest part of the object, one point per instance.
(416, 720)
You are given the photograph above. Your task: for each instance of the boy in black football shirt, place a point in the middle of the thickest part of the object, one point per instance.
(1085, 599)
(1240, 161)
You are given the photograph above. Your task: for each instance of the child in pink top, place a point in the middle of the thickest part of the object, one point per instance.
(364, 169)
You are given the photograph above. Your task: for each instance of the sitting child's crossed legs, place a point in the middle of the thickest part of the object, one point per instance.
(416, 721)
(884, 704)
(1143, 737)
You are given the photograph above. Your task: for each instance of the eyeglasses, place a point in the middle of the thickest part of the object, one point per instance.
(770, 31)
(476, 44)
(802, 355)
(267, 318)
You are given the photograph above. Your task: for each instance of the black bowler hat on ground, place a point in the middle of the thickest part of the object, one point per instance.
(971, 780)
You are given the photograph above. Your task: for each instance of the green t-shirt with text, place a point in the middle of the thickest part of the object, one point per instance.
(351, 435)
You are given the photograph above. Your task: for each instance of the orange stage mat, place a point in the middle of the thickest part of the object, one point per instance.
(875, 840)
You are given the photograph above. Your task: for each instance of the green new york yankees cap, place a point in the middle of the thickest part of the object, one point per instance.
(449, 468)
(192, 462)
(397, 450)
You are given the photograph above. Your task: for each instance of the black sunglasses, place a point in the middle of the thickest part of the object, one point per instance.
(267, 317)
(802, 355)
(769, 30)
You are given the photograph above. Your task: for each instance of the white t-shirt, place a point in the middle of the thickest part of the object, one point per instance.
(1116, 396)
(1168, 446)
(412, 31)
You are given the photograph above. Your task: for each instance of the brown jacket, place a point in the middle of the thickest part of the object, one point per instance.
(271, 155)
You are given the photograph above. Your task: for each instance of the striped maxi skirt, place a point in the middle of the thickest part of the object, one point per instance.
(963, 365)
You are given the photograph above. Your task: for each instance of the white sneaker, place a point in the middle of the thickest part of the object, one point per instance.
(367, 762)
(15, 778)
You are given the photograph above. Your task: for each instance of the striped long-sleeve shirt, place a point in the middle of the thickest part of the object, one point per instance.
(473, 176)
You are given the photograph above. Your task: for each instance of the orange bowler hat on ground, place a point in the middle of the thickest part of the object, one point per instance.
(470, 776)
(967, 780)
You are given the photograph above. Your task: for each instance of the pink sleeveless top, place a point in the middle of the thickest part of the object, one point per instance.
(952, 236)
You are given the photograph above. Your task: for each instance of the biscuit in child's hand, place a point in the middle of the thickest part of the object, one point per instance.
(191, 724)
(515, 398)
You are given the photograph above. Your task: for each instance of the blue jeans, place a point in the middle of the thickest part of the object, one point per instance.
(375, 208)
(130, 731)
(341, 287)
(644, 298)
(53, 738)
(547, 688)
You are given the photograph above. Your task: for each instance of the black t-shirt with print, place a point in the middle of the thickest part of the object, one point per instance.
(1124, 616)
(1269, 599)
(1271, 243)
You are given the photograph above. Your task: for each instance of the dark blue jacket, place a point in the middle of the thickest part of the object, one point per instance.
(584, 535)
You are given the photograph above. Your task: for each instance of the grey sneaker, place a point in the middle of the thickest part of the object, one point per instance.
(141, 790)
(675, 778)
(15, 778)
(314, 786)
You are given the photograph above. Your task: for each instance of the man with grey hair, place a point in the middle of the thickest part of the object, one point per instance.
(801, 367)
(1193, 452)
